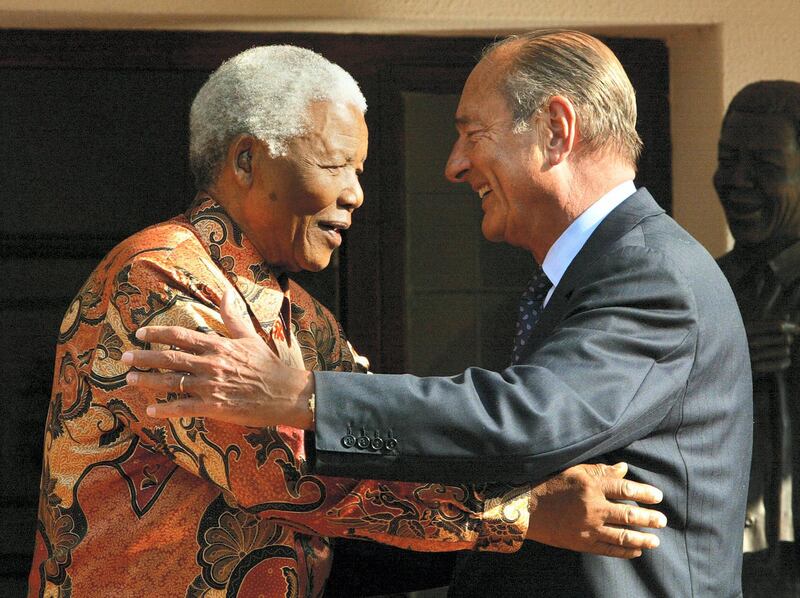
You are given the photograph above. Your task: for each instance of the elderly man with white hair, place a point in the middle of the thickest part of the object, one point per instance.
(133, 505)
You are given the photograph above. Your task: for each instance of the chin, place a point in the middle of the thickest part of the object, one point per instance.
(746, 236)
(315, 267)
(492, 233)
(315, 263)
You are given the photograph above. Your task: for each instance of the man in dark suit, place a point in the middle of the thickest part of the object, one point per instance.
(629, 343)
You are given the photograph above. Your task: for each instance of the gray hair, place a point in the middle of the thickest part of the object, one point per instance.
(264, 92)
(584, 70)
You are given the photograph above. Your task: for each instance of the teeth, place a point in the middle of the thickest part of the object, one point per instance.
(483, 191)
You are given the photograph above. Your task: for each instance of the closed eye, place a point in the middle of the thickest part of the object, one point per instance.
(336, 168)
(474, 134)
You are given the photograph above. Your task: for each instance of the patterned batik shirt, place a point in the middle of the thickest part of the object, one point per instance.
(136, 506)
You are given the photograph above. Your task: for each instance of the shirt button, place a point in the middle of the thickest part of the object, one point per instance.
(348, 441)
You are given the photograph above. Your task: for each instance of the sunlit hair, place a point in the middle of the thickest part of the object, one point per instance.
(769, 97)
(264, 92)
(581, 68)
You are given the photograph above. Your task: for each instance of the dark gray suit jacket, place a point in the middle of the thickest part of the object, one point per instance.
(640, 356)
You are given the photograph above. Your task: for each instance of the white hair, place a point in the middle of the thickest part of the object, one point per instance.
(264, 92)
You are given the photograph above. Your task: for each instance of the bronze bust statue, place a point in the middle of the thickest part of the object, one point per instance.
(758, 183)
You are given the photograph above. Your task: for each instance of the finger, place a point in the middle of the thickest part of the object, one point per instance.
(760, 328)
(767, 342)
(619, 470)
(767, 327)
(601, 470)
(766, 367)
(770, 353)
(629, 490)
(181, 408)
(770, 364)
(177, 336)
(235, 315)
(790, 328)
(164, 360)
(170, 382)
(774, 327)
(616, 551)
(627, 538)
(632, 515)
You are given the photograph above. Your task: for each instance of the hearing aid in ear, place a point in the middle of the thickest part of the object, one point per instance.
(244, 159)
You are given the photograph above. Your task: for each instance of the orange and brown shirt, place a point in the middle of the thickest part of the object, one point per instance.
(134, 506)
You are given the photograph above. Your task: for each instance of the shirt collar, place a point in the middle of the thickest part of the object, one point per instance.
(260, 285)
(230, 249)
(567, 246)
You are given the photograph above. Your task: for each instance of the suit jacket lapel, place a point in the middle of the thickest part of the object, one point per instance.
(620, 221)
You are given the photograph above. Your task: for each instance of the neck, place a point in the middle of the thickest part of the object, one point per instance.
(590, 180)
(234, 200)
(580, 186)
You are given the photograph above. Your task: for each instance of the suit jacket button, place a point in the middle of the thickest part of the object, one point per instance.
(362, 442)
(348, 441)
(391, 443)
(377, 443)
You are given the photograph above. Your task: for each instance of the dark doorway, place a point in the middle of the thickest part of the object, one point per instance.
(94, 148)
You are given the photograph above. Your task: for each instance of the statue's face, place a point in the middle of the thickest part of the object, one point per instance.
(758, 177)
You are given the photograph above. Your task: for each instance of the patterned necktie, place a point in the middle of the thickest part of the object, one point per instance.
(530, 309)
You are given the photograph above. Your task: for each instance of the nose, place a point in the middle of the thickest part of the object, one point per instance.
(457, 165)
(352, 196)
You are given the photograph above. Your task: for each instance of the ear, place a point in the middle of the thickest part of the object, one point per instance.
(560, 129)
(240, 159)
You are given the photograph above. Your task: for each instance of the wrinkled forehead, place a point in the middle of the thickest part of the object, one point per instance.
(759, 131)
(336, 126)
(483, 91)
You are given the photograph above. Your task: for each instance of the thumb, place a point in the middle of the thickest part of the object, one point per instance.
(618, 470)
(235, 316)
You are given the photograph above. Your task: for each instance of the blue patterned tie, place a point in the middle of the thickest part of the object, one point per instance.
(530, 309)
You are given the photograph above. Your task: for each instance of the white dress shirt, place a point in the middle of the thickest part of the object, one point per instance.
(567, 246)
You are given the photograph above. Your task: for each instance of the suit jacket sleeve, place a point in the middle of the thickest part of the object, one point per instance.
(262, 470)
(615, 358)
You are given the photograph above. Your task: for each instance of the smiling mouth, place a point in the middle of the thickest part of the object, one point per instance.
(484, 191)
(336, 227)
(742, 211)
(333, 231)
(741, 205)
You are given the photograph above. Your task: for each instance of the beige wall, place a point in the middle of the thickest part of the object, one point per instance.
(715, 48)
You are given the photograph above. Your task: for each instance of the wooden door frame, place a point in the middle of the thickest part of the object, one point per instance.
(372, 261)
(372, 309)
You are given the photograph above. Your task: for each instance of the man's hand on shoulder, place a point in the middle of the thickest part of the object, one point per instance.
(237, 379)
(576, 510)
